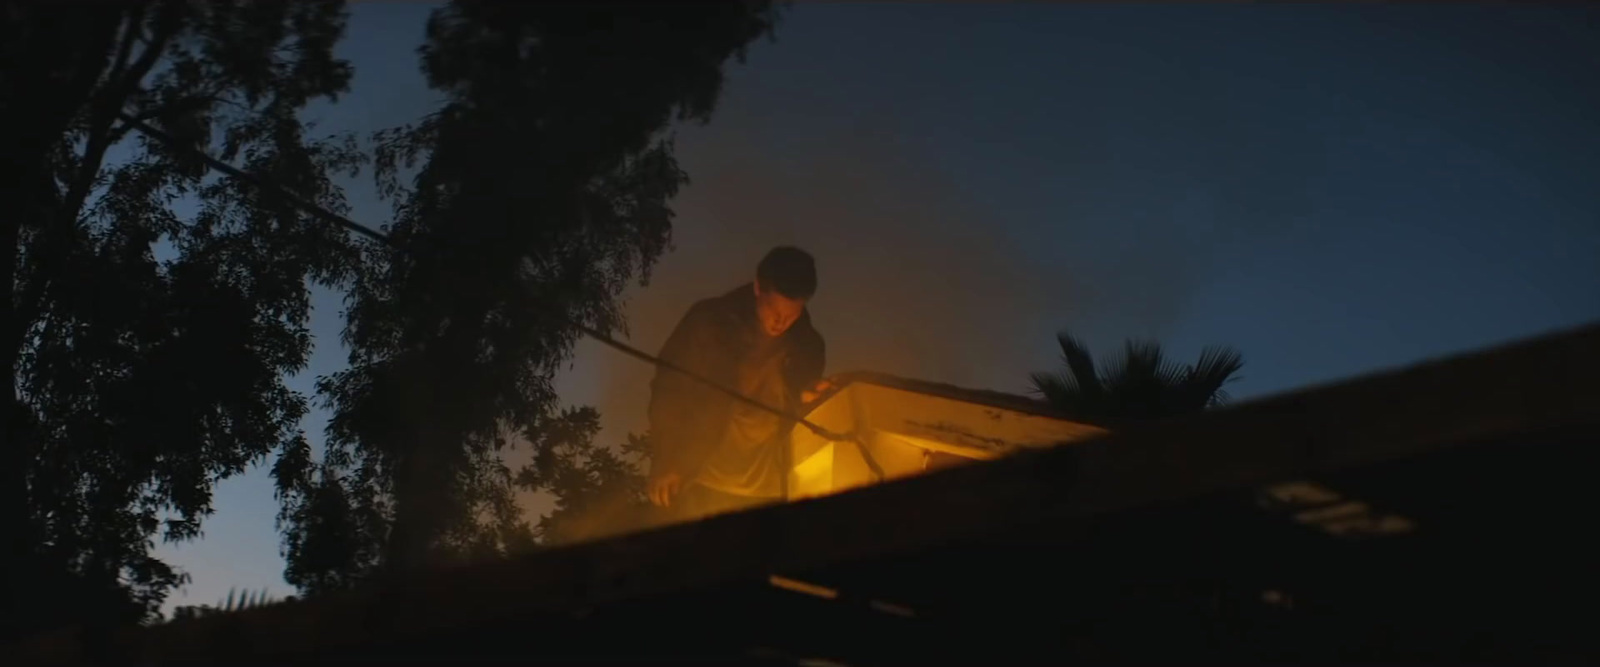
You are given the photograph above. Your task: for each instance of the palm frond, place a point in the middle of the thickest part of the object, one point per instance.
(1141, 383)
(1220, 398)
(1057, 389)
(1202, 387)
(1218, 365)
(1118, 376)
(1075, 389)
(1138, 381)
(1080, 364)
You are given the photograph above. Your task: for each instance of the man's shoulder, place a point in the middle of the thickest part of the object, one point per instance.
(804, 333)
(716, 310)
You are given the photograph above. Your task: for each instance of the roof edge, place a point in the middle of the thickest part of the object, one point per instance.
(988, 397)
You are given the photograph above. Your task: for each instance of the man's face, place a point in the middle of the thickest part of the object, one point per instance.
(776, 312)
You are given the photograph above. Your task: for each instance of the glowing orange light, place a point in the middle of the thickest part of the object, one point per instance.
(802, 587)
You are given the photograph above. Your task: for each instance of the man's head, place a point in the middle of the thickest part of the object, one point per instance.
(785, 279)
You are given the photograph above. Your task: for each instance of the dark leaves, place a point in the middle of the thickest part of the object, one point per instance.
(158, 315)
(597, 489)
(535, 194)
(1139, 385)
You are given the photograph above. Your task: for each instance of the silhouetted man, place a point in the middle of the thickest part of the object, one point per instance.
(713, 453)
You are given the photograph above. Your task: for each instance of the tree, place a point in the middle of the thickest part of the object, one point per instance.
(541, 190)
(598, 490)
(1140, 385)
(152, 311)
(334, 542)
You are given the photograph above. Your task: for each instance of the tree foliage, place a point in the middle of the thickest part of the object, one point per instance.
(541, 190)
(152, 310)
(598, 490)
(1141, 384)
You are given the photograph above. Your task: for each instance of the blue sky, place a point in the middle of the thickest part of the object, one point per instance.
(1332, 190)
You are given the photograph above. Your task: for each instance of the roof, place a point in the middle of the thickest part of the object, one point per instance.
(1429, 409)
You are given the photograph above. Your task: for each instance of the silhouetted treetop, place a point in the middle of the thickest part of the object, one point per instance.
(529, 199)
(152, 311)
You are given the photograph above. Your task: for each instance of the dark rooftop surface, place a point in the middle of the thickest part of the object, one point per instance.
(1442, 512)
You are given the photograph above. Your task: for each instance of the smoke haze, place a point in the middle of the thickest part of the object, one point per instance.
(914, 279)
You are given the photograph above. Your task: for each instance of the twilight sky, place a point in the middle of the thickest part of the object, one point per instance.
(1332, 190)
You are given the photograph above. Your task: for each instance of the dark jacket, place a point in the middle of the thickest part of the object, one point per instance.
(687, 418)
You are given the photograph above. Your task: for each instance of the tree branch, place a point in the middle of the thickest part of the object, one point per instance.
(107, 105)
(188, 104)
(133, 32)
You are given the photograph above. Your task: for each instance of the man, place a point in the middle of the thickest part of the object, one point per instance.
(713, 453)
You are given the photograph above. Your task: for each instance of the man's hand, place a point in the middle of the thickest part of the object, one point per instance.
(810, 396)
(663, 487)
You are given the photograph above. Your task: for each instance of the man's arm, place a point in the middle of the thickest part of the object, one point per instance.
(677, 402)
(806, 365)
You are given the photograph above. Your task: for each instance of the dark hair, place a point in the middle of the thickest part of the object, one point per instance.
(789, 270)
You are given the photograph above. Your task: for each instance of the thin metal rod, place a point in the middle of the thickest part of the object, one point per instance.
(273, 188)
(353, 226)
(663, 363)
